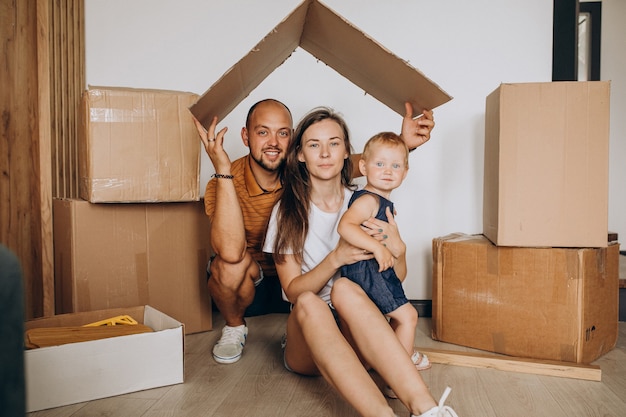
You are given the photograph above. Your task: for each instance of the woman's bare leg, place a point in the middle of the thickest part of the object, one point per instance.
(380, 347)
(315, 345)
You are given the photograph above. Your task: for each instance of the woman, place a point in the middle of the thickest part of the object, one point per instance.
(334, 329)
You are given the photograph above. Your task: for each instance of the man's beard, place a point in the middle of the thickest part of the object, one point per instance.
(275, 166)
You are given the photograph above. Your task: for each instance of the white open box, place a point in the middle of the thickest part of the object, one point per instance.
(79, 372)
(333, 40)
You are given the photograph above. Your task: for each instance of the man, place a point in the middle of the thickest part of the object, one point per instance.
(239, 200)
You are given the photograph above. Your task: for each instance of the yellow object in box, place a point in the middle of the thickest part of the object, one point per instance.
(114, 321)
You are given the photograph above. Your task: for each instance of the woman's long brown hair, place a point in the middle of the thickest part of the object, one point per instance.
(293, 211)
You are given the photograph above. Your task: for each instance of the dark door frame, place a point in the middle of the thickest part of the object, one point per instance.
(565, 39)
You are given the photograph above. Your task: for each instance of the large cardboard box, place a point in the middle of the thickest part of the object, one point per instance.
(78, 372)
(123, 255)
(543, 303)
(138, 146)
(546, 164)
(330, 38)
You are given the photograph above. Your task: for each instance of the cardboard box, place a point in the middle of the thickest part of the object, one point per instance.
(123, 255)
(546, 164)
(333, 40)
(543, 303)
(138, 146)
(78, 372)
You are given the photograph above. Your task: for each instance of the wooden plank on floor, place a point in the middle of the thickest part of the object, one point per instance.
(514, 364)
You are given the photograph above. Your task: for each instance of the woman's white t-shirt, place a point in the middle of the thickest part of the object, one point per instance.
(320, 241)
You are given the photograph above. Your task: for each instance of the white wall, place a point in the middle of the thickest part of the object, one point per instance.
(613, 67)
(468, 48)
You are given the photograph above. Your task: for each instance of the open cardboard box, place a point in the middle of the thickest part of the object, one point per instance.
(333, 40)
(78, 372)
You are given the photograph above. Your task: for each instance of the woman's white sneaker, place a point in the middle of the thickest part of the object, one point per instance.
(440, 410)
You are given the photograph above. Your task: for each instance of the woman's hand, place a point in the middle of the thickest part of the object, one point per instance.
(386, 232)
(347, 254)
(294, 282)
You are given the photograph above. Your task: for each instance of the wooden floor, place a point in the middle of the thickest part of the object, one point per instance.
(258, 385)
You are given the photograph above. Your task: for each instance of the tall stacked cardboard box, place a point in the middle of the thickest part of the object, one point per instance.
(138, 235)
(542, 280)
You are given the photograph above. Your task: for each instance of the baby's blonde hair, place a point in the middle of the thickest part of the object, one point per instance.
(385, 139)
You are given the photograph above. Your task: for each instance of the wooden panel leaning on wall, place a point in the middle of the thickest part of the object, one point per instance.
(42, 42)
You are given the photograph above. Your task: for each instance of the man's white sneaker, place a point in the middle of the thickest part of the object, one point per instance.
(230, 346)
(440, 410)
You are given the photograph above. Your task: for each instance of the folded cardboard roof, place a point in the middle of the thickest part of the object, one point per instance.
(333, 40)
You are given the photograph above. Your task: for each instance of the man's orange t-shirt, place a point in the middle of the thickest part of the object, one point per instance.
(256, 205)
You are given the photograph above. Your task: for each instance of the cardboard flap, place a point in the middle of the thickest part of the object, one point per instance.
(333, 40)
(243, 77)
(159, 321)
(359, 58)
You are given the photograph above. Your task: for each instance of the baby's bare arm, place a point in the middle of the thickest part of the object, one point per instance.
(350, 229)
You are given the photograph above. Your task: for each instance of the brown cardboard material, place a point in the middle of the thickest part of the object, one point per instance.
(138, 146)
(333, 40)
(546, 164)
(542, 303)
(123, 255)
(79, 372)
